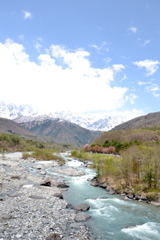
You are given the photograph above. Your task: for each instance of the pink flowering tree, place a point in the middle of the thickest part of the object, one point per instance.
(111, 149)
(86, 147)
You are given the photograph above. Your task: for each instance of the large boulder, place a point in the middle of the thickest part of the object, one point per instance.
(110, 190)
(82, 207)
(46, 183)
(94, 182)
(49, 181)
(69, 206)
(102, 184)
(62, 185)
(81, 217)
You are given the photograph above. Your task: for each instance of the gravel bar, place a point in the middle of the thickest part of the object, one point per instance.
(31, 211)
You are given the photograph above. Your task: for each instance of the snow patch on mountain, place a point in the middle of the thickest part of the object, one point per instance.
(11, 110)
(92, 121)
(101, 123)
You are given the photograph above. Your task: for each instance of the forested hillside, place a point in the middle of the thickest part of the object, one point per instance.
(127, 160)
(62, 131)
(145, 121)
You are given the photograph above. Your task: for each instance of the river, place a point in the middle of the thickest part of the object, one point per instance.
(113, 218)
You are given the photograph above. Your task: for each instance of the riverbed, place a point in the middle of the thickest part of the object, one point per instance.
(112, 216)
(30, 208)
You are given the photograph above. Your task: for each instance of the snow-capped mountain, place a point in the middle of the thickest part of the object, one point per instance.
(11, 110)
(99, 121)
(26, 113)
(92, 123)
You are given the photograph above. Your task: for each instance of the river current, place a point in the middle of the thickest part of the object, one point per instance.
(112, 217)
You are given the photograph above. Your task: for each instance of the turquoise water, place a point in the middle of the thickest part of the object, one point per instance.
(113, 218)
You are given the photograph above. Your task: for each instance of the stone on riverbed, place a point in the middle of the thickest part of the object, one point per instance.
(81, 217)
(15, 177)
(110, 190)
(94, 184)
(62, 185)
(5, 216)
(36, 197)
(46, 183)
(54, 236)
(70, 171)
(49, 181)
(59, 195)
(82, 207)
(39, 167)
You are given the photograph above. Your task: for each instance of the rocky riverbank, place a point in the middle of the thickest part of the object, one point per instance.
(128, 194)
(32, 206)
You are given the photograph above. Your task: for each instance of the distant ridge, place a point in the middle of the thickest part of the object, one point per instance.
(62, 131)
(143, 129)
(9, 126)
(93, 121)
(140, 122)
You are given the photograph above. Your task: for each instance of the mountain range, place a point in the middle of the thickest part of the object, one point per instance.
(56, 131)
(150, 119)
(97, 121)
(59, 130)
(144, 129)
(62, 131)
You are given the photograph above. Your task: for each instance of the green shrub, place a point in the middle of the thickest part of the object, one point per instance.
(74, 153)
(153, 196)
(26, 155)
(43, 154)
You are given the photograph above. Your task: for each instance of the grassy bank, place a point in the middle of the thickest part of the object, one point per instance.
(136, 170)
(43, 154)
(39, 150)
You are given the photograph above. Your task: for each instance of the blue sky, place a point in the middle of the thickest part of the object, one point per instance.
(81, 56)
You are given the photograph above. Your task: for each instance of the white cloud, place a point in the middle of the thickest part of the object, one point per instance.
(147, 41)
(118, 67)
(27, 15)
(124, 77)
(151, 87)
(107, 60)
(38, 43)
(38, 46)
(100, 48)
(143, 83)
(154, 89)
(133, 29)
(62, 80)
(150, 66)
(131, 98)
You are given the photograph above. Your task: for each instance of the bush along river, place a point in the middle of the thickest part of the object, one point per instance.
(112, 216)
